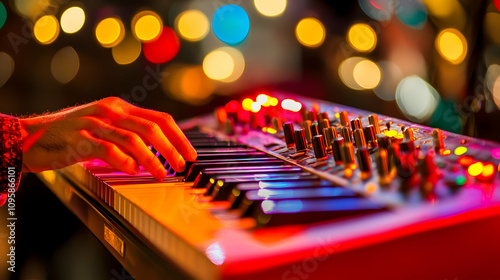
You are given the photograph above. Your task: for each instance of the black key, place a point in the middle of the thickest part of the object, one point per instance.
(219, 156)
(189, 163)
(197, 167)
(204, 177)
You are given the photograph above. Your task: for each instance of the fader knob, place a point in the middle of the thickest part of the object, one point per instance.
(330, 134)
(365, 162)
(355, 124)
(307, 128)
(359, 138)
(288, 131)
(319, 147)
(373, 120)
(299, 135)
(409, 134)
(383, 168)
(437, 137)
(314, 129)
(370, 137)
(344, 118)
(337, 146)
(277, 124)
(348, 153)
(346, 133)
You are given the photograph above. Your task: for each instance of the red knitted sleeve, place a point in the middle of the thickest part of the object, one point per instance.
(11, 155)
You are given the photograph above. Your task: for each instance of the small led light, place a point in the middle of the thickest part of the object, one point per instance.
(475, 169)
(460, 151)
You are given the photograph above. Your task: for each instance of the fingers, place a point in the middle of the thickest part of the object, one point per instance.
(153, 134)
(111, 154)
(127, 142)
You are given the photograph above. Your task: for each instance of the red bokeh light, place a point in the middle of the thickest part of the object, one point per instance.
(164, 48)
(497, 4)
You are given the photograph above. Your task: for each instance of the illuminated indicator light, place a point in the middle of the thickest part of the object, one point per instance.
(446, 152)
(65, 65)
(255, 107)
(163, 49)
(232, 106)
(488, 170)
(46, 29)
(274, 101)
(147, 26)
(362, 37)
(271, 130)
(495, 153)
(475, 169)
(247, 104)
(390, 133)
(465, 161)
(220, 183)
(231, 24)
(262, 99)
(127, 51)
(370, 188)
(270, 8)
(72, 20)
(264, 129)
(3, 15)
(337, 115)
(348, 173)
(451, 45)
(310, 32)
(212, 180)
(110, 32)
(460, 180)
(267, 205)
(366, 74)
(291, 105)
(192, 25)
(460, 151)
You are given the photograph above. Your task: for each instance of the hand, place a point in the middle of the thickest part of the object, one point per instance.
(109, 129)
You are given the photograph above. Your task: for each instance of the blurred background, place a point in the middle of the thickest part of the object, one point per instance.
(431, 62)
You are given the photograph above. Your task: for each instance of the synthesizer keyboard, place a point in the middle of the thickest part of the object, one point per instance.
(309, 189)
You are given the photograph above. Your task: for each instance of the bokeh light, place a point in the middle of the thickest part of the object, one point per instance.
(291, 105)
(72, 20)
(6, 67)
(380, 10)
(65, 65)
(362, 37)
(412, 13)
(231, 24)
(110, 32)
(46, 29)
(346, 70)
(451, 45)
(127, 51)
(147, 26)
(3, 15)
(416, 98)
(33, 8)
(192, 25)
(246, 104)
(366, 74)
(270, 8)
(188, 83)
(392, 75)
(310, 32)
(491, 24)
(224, 64)
(163, 49)
(496, 91)
(497, 4)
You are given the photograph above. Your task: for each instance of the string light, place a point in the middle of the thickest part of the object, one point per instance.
(110, 32)
(72, 20)
(310, 32)
(192, 25)
(147, 26)
(46, 29)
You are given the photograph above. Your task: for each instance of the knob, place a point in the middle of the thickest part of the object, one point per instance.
(299, 135)
(373, 120)
(277, 124)
(394, 154)
(383, 141)
(346, 133)
(437, 137)
(329, 134)
(356, 124)
(426, 166)
(407, 147)
(383, 166)
(307, 128)
(359, 138)
(324, 123)
(365, 162)
(348, 154)
(344, 118)
(409, 134)
(229, 126)
(321, 116)
(337, 147)
(370, 137)
(314, 129)
(288, 131)
(319, 147)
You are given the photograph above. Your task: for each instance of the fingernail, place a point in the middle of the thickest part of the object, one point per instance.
(193, 155)
(181, 164)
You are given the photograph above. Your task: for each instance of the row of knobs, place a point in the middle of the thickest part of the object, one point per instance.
(325, 139)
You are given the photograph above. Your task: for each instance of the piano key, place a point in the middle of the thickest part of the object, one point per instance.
(204, 177)
(197, 167)
(208, 161)
(221, 189)
(303, 211)
(220, 156)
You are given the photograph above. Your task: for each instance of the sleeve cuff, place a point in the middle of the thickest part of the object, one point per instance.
(11, 155)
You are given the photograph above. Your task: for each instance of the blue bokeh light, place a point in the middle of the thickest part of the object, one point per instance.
(231, 24)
